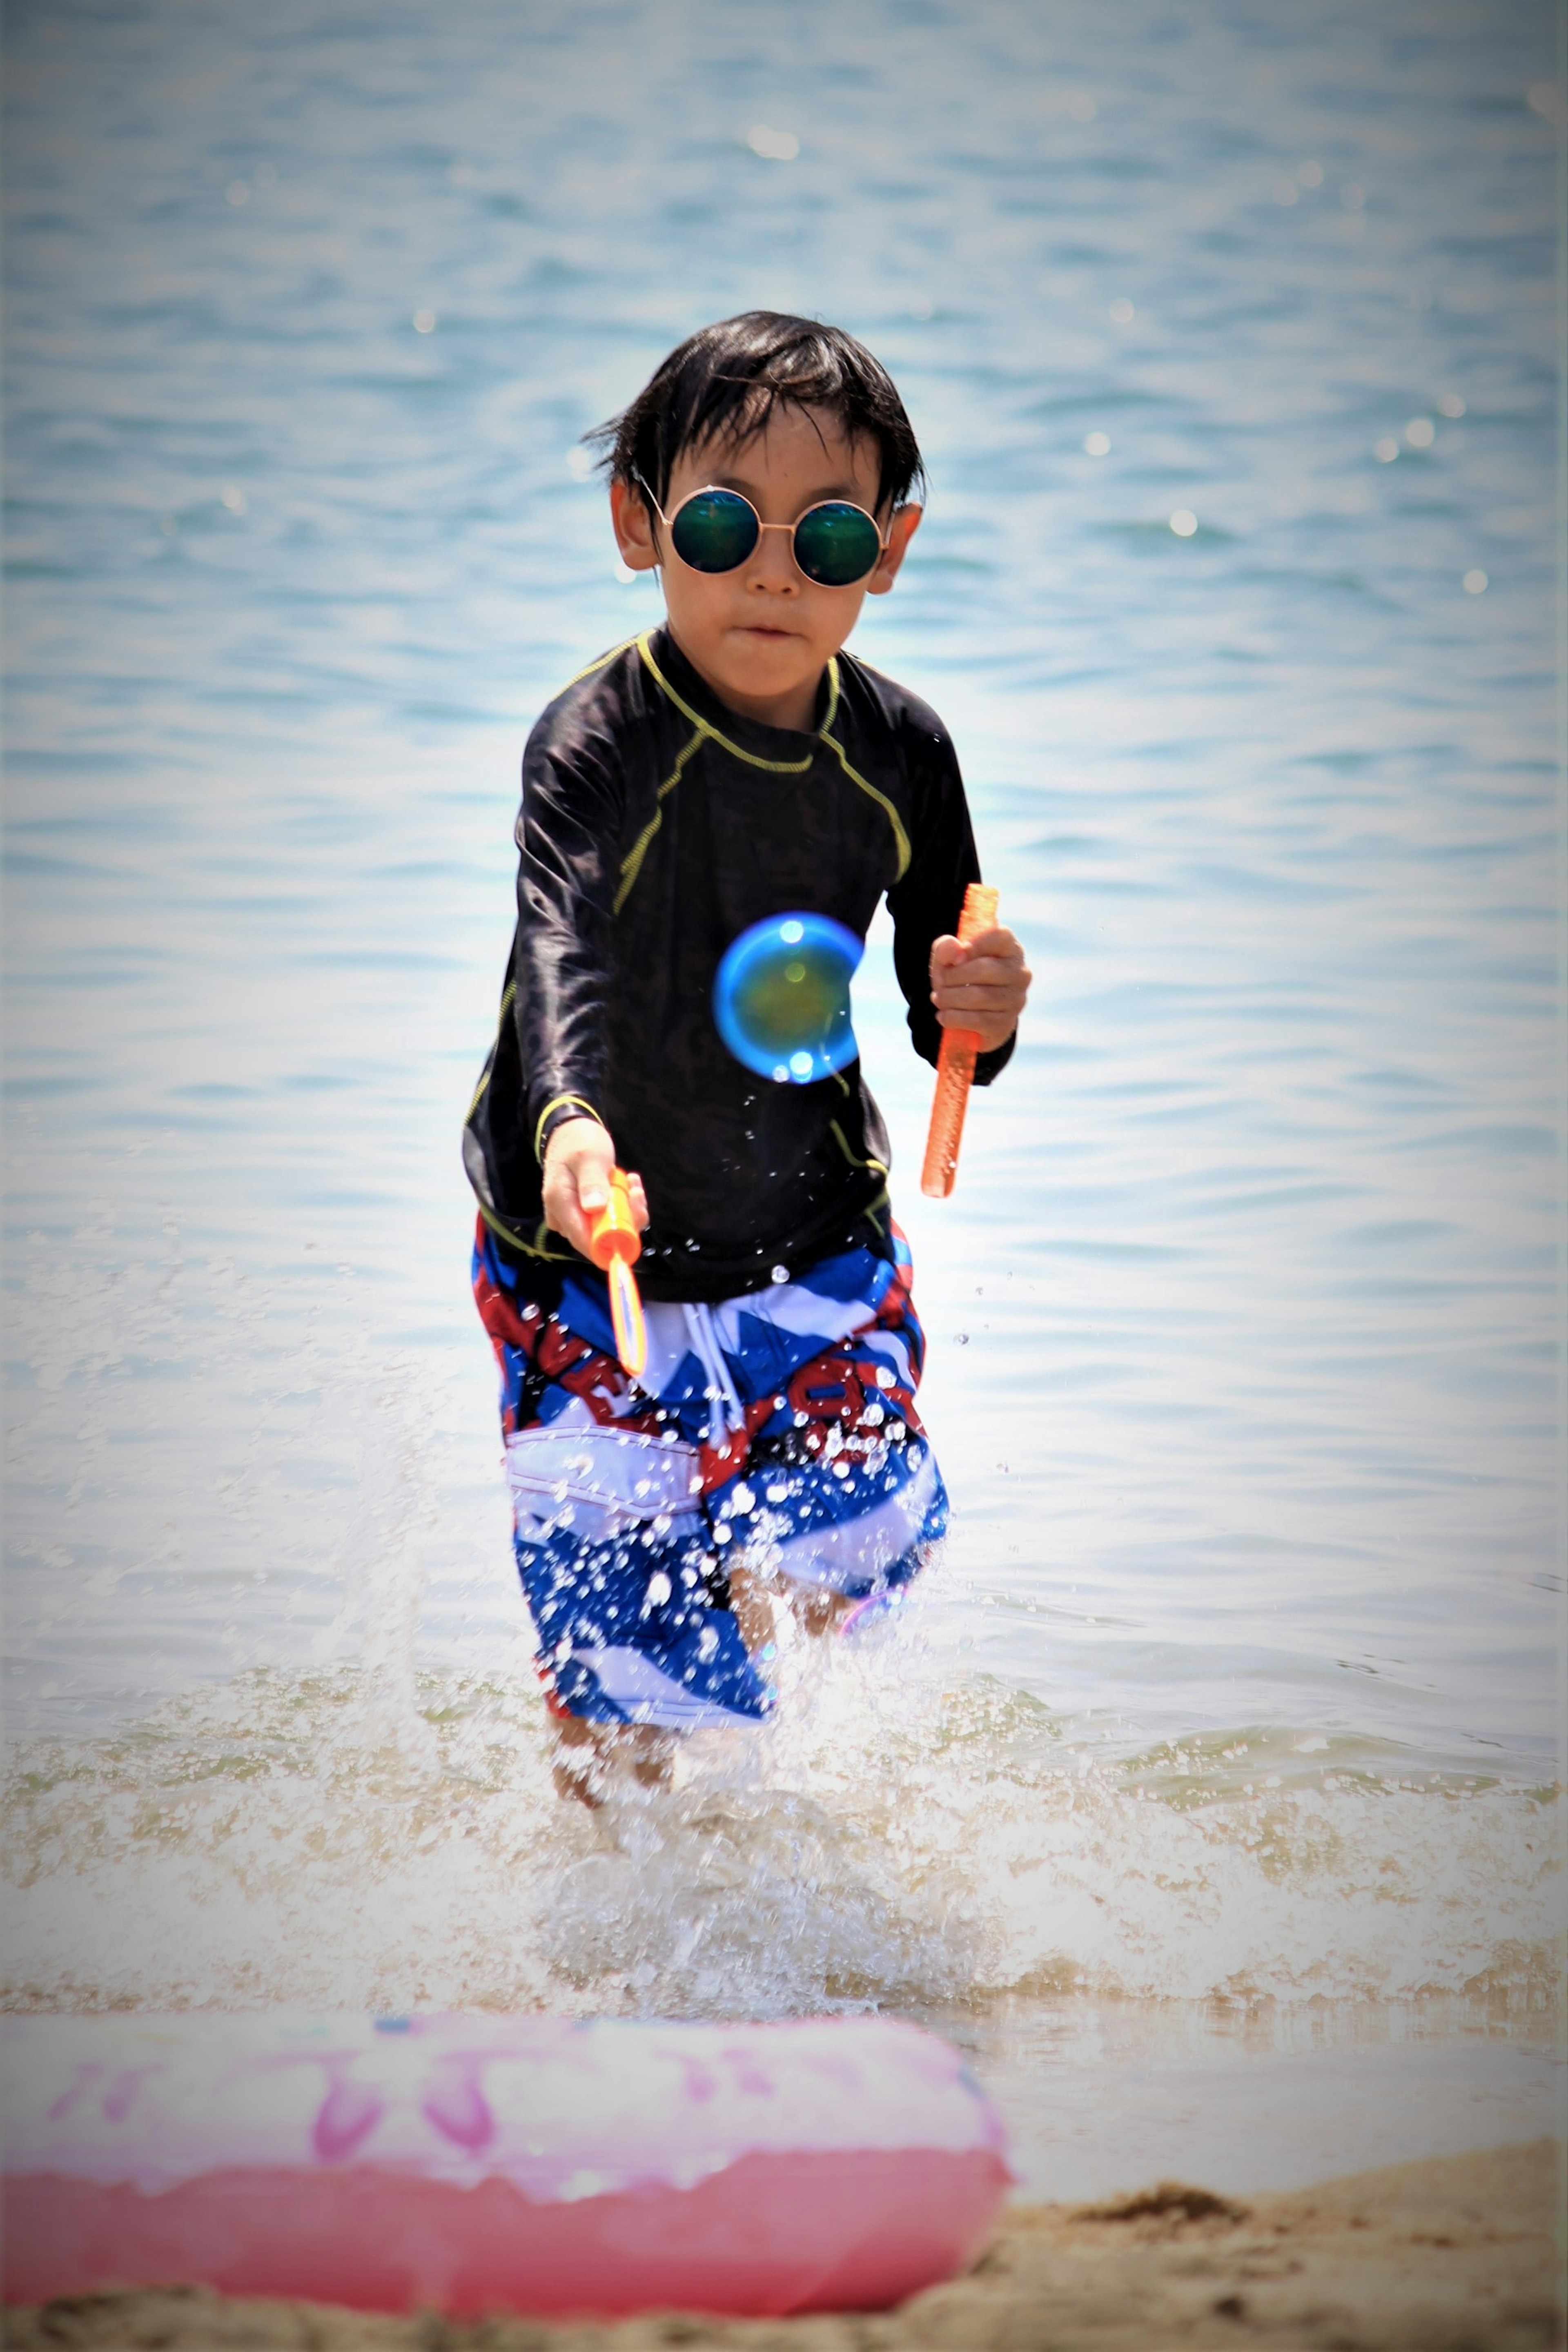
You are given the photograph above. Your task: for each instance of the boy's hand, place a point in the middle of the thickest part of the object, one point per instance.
(982, 987)
(578, 1159)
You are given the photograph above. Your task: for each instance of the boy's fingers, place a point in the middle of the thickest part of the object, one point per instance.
(997, 942)
(577, 1163)
(996, 950)
(577, 1168)
(983, 971)
(1002, 986)
(982, 985)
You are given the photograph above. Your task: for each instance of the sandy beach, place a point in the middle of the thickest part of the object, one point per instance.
(1458, 2254)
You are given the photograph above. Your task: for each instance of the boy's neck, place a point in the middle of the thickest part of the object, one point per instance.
(794, 709)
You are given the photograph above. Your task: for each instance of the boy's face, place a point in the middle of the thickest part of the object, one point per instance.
(762, 633)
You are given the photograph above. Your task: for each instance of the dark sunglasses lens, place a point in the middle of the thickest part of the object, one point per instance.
(836, 544)
(714, 531)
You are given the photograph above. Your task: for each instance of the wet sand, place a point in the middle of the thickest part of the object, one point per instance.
(1455, 2255)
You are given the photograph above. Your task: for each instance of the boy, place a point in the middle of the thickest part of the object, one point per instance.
(726, 767)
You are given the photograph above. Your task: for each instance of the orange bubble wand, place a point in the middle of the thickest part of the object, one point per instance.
(955, 1066)
(614, 1245)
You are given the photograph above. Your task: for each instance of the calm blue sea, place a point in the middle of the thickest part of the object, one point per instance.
(1229, 333)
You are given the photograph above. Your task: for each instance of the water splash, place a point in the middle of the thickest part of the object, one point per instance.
(900, 1840)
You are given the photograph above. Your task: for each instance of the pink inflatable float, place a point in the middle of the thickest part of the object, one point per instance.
(492, 2163)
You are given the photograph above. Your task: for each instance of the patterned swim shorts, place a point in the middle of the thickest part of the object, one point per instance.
(777, 1430)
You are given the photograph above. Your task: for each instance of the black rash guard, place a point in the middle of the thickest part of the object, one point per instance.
(656, 826)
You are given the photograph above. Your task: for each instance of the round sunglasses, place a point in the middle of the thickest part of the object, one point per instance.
(836, 543)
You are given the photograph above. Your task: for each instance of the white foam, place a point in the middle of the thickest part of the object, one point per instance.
(897, 1838)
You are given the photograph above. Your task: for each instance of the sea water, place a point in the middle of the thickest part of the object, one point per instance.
(1209, 1790)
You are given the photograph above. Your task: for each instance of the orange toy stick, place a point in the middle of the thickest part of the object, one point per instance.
(614, 1245)
(955, 1066)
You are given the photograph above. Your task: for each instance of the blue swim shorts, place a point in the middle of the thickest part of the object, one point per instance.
(778, 1430)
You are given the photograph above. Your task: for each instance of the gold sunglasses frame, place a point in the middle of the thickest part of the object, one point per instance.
(884, 539)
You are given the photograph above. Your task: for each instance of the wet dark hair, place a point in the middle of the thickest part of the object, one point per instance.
(724, 382)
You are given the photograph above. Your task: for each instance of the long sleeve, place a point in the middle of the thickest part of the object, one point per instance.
(568, 834)
(928, 899)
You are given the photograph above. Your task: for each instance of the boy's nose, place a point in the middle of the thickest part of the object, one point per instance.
(773, 562)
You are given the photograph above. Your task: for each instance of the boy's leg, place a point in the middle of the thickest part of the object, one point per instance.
(839, 1502)
(636, 1641)
(591, 1756)
(754, 1590)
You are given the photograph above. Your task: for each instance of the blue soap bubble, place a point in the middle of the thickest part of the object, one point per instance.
(782, 997)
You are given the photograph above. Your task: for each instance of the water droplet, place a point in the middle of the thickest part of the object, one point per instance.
(1386, 450)
(1097, 445)
(1475, 583)
(423, 322)
(1286, 192)
(1183, 522)
(1310, 174)
(238, 192)
(1451, 404)
(234, 497)
(1121, 310)
(1421, 432)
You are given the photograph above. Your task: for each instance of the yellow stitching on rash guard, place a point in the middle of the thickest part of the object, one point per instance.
(537, 1248)
(602, 663)
(828, 715)
(900, 838)
(555, 1104)
(752, 759)
(880, 1165)
(631, 864)
(508, 993)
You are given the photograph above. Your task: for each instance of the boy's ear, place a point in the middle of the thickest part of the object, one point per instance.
(902, 529)
(633, 527)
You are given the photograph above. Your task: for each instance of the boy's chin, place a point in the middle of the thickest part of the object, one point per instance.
(747, 667)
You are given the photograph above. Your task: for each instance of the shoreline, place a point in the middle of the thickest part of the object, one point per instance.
(1100, 2095)
(1456, 2253)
